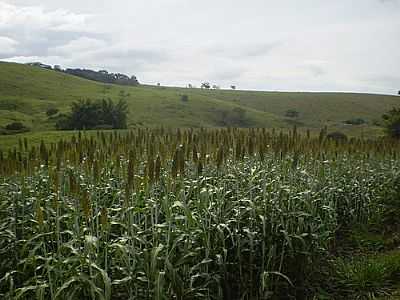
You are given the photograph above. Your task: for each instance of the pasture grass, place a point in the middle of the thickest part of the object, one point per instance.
(26, 93)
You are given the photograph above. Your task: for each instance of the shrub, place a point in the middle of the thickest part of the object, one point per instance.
(236, 117)
(51, 112)
(291, 113)
(184, 98)
(8, 105)
(392, 123)
(355, 121)
(15, 126)
(88, 114)
(63, 122)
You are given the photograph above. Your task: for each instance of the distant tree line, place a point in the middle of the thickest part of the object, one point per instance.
(101, 76)
(99, 114)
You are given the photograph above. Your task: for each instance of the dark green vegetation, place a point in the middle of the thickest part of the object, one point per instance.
(200, 214)
(14, 128)
(100, 114)
(100, 76)
(392, 120)
(103, 76)
(26, 93)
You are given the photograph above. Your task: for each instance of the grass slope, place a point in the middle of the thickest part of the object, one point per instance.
(27, 92)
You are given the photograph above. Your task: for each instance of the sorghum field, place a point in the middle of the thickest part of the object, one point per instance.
(187, 214)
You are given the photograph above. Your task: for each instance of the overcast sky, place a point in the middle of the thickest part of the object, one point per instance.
(292, 45)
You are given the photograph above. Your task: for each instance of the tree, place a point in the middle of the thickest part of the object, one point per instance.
(84, 114)
(233, 87)
(103, 76)
(15, 126)
(392, 123)
(355, 121)
(205, 85)
(88, 114)
(399, 93)
(120, 113)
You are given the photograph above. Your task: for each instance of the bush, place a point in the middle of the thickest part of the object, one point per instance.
(392, 123)
(291, 113)
(88, 114)
(236, 117)
(15, 126)
(184, 98)
(51, 112)
(63, 122)
(355, 121)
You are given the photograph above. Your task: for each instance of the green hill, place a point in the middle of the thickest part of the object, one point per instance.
(26, 93)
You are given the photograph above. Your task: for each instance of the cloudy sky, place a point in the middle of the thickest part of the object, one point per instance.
(308, 45)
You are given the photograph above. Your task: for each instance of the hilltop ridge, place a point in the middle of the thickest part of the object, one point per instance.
(26, 92)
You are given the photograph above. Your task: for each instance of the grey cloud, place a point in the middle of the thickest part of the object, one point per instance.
(120, 59)
(385, 80)
(227, 74)
(250, 49)
(260, 49)
(145, 55)
(7, 46)
(37, 30)
(316, 70)
(40, 43)
(175, 41)
(56, 34)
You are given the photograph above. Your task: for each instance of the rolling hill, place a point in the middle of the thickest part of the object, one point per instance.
(26, 93)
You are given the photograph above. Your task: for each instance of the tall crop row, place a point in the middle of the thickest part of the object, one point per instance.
(186, 214)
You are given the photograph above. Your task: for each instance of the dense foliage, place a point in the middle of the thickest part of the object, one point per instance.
(187, 214)
(88, 114)
(392, 122)
(13, 128)
(52, 111)
(104, 76)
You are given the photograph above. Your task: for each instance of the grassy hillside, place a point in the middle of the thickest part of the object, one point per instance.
(27, 92)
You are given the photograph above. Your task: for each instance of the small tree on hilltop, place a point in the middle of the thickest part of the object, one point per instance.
(205, 85)
(392, 123)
